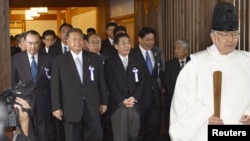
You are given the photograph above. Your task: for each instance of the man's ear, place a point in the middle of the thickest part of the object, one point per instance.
(213, 37)
(116, 46)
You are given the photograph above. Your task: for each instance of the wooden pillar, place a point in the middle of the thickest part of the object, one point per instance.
(147, 14)
(68, 15)
(59, 20)
(5, 67)
(103, 17)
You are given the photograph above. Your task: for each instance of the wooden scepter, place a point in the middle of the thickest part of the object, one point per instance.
(217, 76)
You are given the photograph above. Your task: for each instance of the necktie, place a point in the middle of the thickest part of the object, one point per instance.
(65, 49)
(33, 68)
(182, 64)
(149, 63)
(79, 67)
(125, 62)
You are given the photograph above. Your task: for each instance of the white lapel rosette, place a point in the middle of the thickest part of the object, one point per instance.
(91, 70)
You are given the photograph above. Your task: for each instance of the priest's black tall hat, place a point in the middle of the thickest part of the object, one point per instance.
(225, 17)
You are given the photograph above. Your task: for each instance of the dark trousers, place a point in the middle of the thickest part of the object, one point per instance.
(88, 129)
(59, 130)
(150, 122)
(106, 127)
(43, 127)
(125, 124)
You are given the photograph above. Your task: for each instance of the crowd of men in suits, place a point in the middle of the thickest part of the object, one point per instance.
(107, 90)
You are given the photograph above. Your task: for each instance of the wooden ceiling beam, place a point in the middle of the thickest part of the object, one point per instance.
(53, 3)
(49, 8)
(21, 17)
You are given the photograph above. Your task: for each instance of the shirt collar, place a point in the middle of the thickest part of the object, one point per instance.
(216, 51)
(185, 60)
(79, 55)
(144, 51)
(63, 45)
(122, 57)
(111, 41)
(35, 56)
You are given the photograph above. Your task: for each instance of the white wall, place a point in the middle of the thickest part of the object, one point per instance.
(41, 25)
(85, 20)
(121, 7)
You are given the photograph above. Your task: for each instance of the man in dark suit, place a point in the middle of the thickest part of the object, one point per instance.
(152, 60)
(124, 75)
(94, 45)
(78, 90)
(35, 66)
(14, 46)
(107, 47)
(61, 46)
(21, 42)
(49, 38)
(58, 48)
(173, 67)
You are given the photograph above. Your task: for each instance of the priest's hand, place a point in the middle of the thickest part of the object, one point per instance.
(245, 119)
(215, 121)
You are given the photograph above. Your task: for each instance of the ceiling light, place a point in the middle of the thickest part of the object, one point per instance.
(28, 15)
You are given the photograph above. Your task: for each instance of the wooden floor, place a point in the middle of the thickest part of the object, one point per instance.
(9, 133)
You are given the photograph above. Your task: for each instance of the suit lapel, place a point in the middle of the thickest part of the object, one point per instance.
(72, 66)
(39, 67)
(86, 65)
(27, 65)
(177, 64)
(157, 59)
(119, 65)
(143, 61)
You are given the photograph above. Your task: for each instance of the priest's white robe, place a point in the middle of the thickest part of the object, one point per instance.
(192, 103)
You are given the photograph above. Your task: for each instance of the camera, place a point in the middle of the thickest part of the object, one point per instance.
(24, 90)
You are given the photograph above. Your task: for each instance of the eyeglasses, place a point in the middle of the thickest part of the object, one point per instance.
(96, 43)
(226, 35)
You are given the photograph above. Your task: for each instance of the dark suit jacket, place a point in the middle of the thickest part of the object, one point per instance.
(107, 49)
(20, 70)
(103, 57)
(121, 83)
(14, 50)
(152, 89)
(171, 73)
(67, 91)
(43, 50)
(56, 49)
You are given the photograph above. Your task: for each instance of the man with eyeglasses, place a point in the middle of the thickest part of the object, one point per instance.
(94, 45)
(192, 108)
